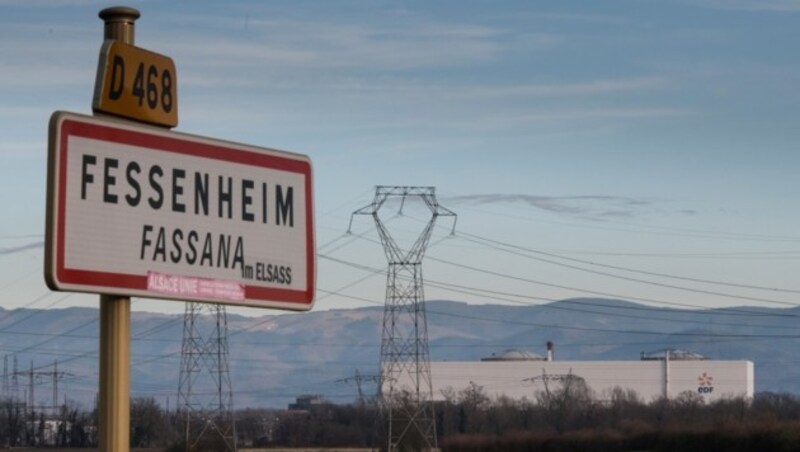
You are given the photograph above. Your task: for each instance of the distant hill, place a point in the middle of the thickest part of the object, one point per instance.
(275, 358)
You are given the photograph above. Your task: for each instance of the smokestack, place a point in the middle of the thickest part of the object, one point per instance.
(549, 350)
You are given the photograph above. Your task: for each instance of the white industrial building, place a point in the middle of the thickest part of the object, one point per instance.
(667, 373)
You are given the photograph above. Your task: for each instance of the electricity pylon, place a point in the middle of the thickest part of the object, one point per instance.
(405, 383)
(359, 380)
(205, 394)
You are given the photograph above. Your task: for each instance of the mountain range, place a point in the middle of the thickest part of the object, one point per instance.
(276, 357)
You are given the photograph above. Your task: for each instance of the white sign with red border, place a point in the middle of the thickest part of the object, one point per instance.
(135, 210)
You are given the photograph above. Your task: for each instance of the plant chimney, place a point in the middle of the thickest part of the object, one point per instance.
(549, 350)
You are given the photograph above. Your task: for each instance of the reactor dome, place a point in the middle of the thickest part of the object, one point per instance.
(514, 355)
(673, 354)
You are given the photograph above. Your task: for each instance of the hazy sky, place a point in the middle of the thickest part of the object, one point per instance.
(640, 149)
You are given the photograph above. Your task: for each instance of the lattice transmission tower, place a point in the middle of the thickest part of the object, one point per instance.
(405, 375)
(359, 379)
(205, 393)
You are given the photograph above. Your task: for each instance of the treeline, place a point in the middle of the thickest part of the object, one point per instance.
(568, 419)
(64, 426)
(69, 426)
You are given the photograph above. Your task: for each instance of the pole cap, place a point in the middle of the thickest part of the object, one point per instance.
(119, 14)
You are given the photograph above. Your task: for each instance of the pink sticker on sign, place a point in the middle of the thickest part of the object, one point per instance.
(190, 287)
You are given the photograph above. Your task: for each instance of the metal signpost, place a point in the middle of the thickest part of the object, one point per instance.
(134, 209)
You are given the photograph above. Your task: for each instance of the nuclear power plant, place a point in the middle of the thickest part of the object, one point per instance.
(519, 374)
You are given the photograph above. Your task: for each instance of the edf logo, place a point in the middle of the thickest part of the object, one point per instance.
(705, 384)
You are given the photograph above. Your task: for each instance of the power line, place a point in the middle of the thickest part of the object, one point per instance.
(633, 270)
(738, 311)
(698, 255)
(567, 327)
(649, 229)
(746, 312)
(498, 295)
(628, 278)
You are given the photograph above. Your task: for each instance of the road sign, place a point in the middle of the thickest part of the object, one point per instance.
(141, 211)
(136, 83)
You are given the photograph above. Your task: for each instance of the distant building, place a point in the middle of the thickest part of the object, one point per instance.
(46, 431)
(666, 373)
(307, 402)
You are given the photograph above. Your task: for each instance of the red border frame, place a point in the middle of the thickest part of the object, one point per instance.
(183, 145)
